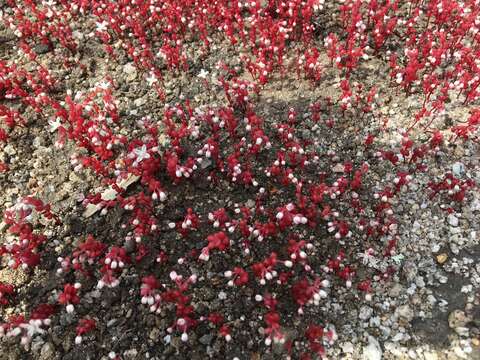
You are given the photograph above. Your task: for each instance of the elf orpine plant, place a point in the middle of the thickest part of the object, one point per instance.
(219, 218)
(287, 216)
(150, 293)
(311, 65)
(225, 332)
(7, 291)
(116, 258)
(296, 250)
(265, 270)
(279, 165)
(218, 241)
(18, 325)
(69, 296)
(402, 179)
(191, 222)
(84, 327)
(314, 335)
(305, 292)
(83, 258)
(451, 186)
(185, 317)
(23, 247)
(238, 276)
(272, 320)
(340, 227)
(113, 265)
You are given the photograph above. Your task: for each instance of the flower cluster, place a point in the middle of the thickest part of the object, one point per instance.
(257, 203)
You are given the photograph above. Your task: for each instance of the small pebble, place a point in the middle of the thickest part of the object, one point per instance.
(442, 258)
(452, 220)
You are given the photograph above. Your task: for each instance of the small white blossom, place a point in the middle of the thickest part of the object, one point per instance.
(141, 154)
(398, 258)
(203, 74)
(151, 79)
(104, 85)
(368, 259)
(102, 26)
(54, 124)
(49, 3)
(33, 327)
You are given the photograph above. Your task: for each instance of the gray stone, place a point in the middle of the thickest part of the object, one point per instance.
(398, 337)
(420, 282)
(38, 142)
(47, 352)
(129, 314)
(9, 150)
(154, 334)
(372, 351)
(462, 331)
(139, 102)
(458, 169)
(475, 206)
(396, 290)
(365, 313)
(42, 49)
(405, 312)
(452, 220)
(131, 71)
(130, 354)
(130, 246)
(206, 339)
(410, 270)
(205, 163)
(347, 347)
(430, 355)
(458, 318)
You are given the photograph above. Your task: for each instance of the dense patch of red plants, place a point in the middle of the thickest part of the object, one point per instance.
(431, 48)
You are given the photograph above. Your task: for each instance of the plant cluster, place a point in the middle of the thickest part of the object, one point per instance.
(301, 219)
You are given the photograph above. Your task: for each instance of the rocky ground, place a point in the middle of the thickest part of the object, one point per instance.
(429, 309)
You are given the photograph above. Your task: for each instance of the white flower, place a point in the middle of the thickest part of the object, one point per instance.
(398, 258)
(33, 327)
(102, 26)
(151, 79)
(141, 154)
(54, 124)
(15, 331)
(203, 74)
(104, 85)
(49, 3)
(368, 259)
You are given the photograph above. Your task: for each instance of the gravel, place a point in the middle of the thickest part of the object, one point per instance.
(427, 310)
